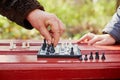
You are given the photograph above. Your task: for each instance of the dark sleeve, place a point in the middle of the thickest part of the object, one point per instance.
(17, 10)
(113, 27)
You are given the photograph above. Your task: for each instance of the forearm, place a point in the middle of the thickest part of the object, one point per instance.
(113, 27)
(18, 10)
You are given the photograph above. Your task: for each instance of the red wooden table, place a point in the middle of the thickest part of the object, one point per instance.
(23, 64)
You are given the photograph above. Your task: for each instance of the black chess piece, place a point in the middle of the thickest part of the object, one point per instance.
(85, 58)
(72, 51)
(97, 55)
(47, 53)
(52, 49)
(103, 56)
(91, 56)
(44, 45)
(80, 58)
(48, 50)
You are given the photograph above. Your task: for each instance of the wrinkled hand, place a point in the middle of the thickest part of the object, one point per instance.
(42, 20)
(93, 39)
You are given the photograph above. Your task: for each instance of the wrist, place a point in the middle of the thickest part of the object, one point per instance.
(32, 14)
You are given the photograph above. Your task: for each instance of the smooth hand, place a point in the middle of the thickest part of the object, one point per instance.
(92, 39)
(42, 20)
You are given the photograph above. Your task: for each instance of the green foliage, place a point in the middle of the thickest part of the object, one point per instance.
(79, 17)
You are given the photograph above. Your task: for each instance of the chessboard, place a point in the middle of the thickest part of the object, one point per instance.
(64, 50)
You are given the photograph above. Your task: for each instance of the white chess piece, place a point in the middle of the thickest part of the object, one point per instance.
(11, 45)
(14, 45)
(57, 49)
(28, 45)
(23, 44)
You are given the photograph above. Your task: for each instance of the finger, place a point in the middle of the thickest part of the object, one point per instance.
(45, 33)
(105, 42)
(87, 37)
(61, 27)
(55, 29)
(94, 40)
(102, 42)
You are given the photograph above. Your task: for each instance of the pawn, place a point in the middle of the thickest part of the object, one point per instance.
(86, 58)
(103, 57)
(91, 56)
(97, 56)
(72, 51)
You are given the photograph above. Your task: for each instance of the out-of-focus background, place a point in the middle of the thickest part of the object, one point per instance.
(79, 17)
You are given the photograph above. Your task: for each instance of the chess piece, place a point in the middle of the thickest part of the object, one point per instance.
(47, 53)
(14, 45)
(103, 56)
(72, 51)
(97, 56)
(91, 56)
(48, 50)
(57, 49)
(70, 45)
(28, 45)
(44, 45)
(85, 58)
(52, 50)
(23, 44)
(80, 58)
(62, 49)
(11, 45)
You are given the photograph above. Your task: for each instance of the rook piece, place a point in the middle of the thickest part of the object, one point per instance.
(44, 45)
(91, 56)
(103, 57)
(86, 58)
(97, 55)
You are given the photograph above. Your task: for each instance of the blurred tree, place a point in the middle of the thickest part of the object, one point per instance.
(79, 17)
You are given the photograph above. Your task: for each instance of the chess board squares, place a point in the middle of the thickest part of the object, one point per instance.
(62, 49)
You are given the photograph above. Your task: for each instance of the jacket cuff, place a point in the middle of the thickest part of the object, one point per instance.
(113, 32)
(23, 8)
(113, 27)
